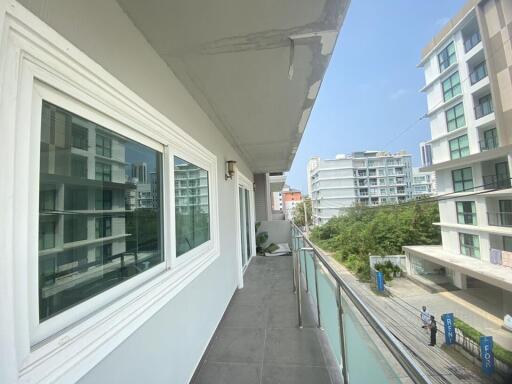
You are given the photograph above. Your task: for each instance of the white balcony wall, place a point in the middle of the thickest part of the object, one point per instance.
(169, 345)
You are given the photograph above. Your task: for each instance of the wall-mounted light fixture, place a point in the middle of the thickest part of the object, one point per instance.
(230, 169)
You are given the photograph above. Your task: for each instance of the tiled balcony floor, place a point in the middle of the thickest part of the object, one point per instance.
(258, 340)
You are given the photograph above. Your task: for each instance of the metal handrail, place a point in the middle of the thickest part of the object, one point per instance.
(393, 345)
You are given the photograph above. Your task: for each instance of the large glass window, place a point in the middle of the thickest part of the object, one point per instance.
(455, 117)
(192, 206)
(462, 179)
(103, 171)
(459, 147)
(75, 264)
(451, 87)
(469, 245)
(103, 145)
(446, 57)
(466, 212)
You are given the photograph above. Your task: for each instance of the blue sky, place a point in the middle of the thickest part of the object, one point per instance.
(370, 93)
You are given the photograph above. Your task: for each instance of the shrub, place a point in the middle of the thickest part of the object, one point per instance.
(380, 230)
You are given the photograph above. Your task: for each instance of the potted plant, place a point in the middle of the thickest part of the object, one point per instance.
(397, 270)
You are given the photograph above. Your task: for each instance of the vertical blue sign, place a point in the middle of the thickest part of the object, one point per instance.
(380, 281)
(449, 328)
(487, 354)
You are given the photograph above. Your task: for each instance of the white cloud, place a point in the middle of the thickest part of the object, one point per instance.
(397, 94)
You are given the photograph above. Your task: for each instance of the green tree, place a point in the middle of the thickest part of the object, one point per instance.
(298, 214)
(383, 230)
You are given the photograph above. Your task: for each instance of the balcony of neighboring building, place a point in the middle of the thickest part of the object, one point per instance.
(483, 107)
(488, 139)
(496, 174)
(471, 38)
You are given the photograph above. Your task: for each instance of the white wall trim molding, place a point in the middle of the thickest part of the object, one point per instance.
(31, 53)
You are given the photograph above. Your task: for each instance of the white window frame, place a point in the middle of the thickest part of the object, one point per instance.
(41, 331)
(208, 247)
(244, 182)
(37, 62)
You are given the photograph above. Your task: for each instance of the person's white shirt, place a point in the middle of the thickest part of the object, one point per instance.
(425, 317)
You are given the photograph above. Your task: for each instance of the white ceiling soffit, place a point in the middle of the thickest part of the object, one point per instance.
(254, 66)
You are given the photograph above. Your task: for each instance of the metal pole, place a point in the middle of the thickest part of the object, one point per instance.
(344, 371)
(306, 217)
(299, 301)
(315, 263)
(306, 268)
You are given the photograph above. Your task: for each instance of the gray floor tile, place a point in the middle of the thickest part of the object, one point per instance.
(293, 346)
(224, 373)
(294, 375)
(286, 315)
(238, 345)
(245, 315)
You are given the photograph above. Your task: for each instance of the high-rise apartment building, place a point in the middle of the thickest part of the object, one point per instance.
(468, 75)
(367, 178)
(423, 183)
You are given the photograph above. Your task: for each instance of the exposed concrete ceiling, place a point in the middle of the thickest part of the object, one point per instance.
(254, 66)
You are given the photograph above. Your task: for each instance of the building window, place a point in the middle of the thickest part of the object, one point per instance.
(103, 146)
(193, 210)
(462, 179)
(484, 106)
(103, 227)
(466, 212)
(84, 269)
(490, 140)
(451, 87)
(469, 245)
(478, 73)
(103, 200)
(446, 57)
(47, 199)
(103, 171)
(459, 147)
(78, 167)
(455, 117)
(75, 228)
(79, 137)
(46, 234)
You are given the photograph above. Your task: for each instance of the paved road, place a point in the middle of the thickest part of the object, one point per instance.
(404, 323)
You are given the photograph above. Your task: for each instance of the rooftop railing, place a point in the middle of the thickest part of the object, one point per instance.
(340, 313)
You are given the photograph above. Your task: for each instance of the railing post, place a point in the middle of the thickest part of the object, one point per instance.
(299, 294)
(344, 371)
(315, 263)
(306, 268)
(293, 261)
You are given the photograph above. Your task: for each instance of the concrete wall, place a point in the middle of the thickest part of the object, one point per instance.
(279, 231)
(166, 348)
(261, 197)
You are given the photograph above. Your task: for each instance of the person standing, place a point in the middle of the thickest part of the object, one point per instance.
(425, 317)
(433, 331)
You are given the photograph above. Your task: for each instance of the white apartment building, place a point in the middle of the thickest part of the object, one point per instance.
(367, 177)
(468, 76)
(423, 183)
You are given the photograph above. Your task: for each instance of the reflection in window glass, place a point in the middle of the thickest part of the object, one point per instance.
(94, 230)
(192, 206)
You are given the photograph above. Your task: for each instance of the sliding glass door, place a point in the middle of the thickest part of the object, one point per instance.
(246, 233)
